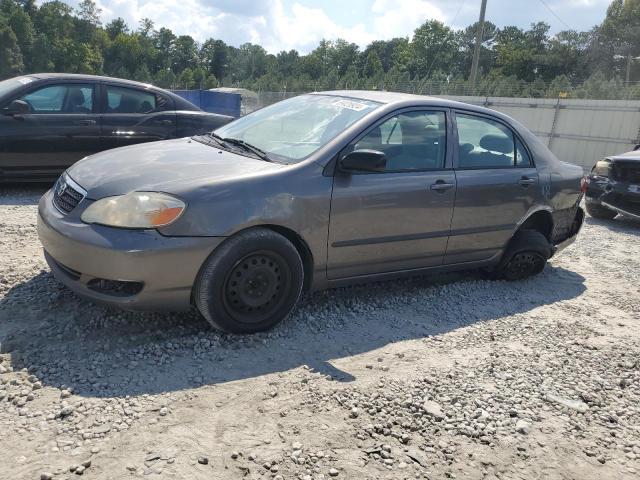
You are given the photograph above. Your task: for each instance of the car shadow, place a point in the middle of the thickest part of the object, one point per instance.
(67, 341)
(22, 194)
(621, 224)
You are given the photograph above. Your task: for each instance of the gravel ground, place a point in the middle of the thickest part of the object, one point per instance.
(442, 377)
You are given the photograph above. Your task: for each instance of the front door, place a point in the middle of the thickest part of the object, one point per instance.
(132, 115)
(398, 219)
(497, 184)
(61, 127)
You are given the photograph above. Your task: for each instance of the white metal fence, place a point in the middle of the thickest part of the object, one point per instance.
(576, 131)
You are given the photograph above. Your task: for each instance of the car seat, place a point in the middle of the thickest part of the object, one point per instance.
(422, 145)
(76, 101)
(497, 152)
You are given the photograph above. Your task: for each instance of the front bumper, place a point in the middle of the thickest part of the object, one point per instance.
(156, 272)
(621, 197)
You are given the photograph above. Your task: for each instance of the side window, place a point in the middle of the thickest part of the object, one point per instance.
(128, 100)
(72, 98)
(484, 143)
(522, 157)
(411, 141)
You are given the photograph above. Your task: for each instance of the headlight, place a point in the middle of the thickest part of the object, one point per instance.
(135, 210)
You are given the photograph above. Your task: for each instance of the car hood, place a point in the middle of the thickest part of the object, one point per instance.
(167, 166)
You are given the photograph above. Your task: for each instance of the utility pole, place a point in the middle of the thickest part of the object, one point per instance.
(476, 52)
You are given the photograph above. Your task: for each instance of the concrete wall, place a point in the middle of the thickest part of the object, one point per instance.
(577, 131)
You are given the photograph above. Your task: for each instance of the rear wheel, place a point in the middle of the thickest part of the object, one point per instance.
(250, 283)
(598, 211)
(525, 256)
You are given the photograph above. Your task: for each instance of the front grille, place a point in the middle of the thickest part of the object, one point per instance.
(65, 196)
(626, 172)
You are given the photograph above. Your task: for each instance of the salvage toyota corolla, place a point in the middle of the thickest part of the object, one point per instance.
(317, 191)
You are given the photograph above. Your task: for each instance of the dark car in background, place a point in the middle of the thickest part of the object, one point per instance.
(49, 121)
(613, 187)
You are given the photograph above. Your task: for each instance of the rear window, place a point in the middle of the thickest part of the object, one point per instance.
(129, 100)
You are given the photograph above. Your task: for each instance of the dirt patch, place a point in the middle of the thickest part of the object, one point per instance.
(442, 377)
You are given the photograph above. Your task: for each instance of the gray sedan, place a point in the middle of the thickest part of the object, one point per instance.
(317, 191)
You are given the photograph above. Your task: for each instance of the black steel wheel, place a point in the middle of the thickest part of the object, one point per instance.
(523, 265)
(256, 286)
(526, 255)
(600, 211)
(250, 282)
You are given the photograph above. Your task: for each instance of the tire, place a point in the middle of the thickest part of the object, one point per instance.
(525, 256)
(598, 211)
(250, 283)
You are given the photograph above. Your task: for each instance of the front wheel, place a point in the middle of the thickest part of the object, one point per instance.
(599, 211)
(250, 283)
(525, 256)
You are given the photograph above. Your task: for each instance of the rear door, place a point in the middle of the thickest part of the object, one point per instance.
(61, 127)
(398, 219)
(133, 115)
(497, 184)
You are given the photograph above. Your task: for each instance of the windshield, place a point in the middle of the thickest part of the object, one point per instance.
(293, 129)
(7, 86)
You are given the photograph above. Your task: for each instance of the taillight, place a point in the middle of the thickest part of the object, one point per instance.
(584, 183)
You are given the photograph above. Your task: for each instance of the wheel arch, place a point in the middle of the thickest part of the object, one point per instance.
(541, 221)
(298, 242)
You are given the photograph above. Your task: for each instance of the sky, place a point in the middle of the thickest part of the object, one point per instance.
(300, 24)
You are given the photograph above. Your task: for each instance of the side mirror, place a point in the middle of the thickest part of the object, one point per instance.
(363, 161)
(17, 107)
(637, 147)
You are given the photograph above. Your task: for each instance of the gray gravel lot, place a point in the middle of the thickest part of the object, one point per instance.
(439, 377)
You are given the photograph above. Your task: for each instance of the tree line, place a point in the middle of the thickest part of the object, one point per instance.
(434, 59)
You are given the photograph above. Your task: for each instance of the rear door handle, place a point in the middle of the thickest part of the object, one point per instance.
(440, 186)
(526, 181)
(86, 122)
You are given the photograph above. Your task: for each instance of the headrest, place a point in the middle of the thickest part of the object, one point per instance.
(497, 143)
(76, 97)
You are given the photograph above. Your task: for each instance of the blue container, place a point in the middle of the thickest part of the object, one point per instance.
(213, 102)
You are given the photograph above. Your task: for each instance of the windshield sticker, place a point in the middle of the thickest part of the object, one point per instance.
(25, 80)
(357, 106)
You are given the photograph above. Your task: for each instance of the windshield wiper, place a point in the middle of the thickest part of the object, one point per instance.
(247, 146)
(217, 138)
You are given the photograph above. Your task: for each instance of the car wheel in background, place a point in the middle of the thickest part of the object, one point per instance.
(525, 256)
(598, 211)
(250, 283)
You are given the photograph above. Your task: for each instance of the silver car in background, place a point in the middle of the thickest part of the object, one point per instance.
(314, 192)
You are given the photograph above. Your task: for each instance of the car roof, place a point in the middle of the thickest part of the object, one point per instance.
(407, 99)
(79, 76)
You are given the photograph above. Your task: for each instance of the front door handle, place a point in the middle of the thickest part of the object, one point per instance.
(441, 186)
(86, 122)
(526, 181)
(164, 122)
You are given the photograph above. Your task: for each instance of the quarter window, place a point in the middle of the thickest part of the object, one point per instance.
(411, 141)
(72, 98)
(127, 100)
(484, 143)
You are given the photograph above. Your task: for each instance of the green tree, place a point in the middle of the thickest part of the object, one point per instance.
(373, 65)
(10, 55)
(116, 27)
(434, 48)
